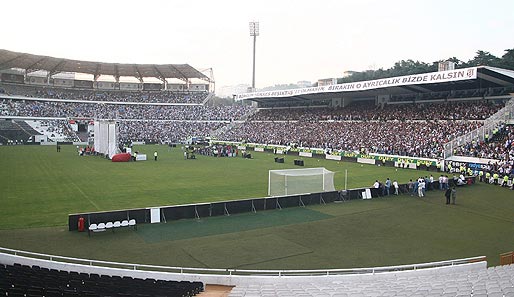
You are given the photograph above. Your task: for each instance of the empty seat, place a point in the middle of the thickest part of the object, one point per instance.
(92, 227)
(132, 223)
(116, 224)
(101, 227)
(109, 225)
(124, 223)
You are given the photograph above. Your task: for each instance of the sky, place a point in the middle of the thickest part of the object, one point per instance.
(299, 40)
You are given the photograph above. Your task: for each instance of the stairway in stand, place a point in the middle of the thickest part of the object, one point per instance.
(215, 291)
(83, 136)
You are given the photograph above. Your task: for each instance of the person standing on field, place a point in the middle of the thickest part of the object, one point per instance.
(421, 187)
(155, 155)
(447, 194)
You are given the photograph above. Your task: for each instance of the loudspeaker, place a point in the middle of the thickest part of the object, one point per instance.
(298, 162)
(279, 160)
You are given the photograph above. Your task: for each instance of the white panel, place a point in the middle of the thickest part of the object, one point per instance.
(366, 161)
(305, 154)
(155, 215)
(368, 193)
(141, 157)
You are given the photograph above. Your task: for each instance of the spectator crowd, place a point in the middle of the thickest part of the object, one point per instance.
(196, 97)
(29, 108)
(409, 138)
(478, 110)
(416, 130)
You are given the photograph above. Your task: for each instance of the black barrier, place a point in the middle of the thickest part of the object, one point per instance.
(298, 162)
(240, 206)
(171, 213)
(190, 211)
(259, 204)
(185, 212)
(279, 160)
(289, 201)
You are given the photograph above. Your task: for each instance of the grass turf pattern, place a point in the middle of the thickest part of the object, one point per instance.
(40, 186)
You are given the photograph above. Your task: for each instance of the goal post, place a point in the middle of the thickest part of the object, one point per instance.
(106, 138)
(300, 181)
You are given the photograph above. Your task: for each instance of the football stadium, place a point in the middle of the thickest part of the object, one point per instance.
(399, 185)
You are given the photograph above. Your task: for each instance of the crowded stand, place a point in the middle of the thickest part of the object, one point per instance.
(55, 130)
(416, 139)
(368, 111)
(417, 130)
(196, 97)
(164, 131)
(29, 108)
(470, 93)
(498, 147)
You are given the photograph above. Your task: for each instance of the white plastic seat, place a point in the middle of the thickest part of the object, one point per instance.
(116, 224)
(132, 222)
(92, 227)
(108, 225)
(124, 223)
(101, 227)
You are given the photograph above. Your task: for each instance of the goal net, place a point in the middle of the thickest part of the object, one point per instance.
(300, 181)
(106, 138)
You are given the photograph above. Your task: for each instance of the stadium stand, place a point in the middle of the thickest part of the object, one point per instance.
(416, 124)
(413, 138)
(494, 281)
(499, 146)
(32, 275)
(154, 123)
(466, 93)
(337, 129)
(368, 111)
(60, 109)
(54, 130)
(32, 281)
(165, 132)
(190, 97)
(15, 131)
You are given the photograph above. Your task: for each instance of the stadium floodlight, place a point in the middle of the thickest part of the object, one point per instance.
(254, 31)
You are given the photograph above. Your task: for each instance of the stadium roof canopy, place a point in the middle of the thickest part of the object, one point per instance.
(459, 79)
(31, 63)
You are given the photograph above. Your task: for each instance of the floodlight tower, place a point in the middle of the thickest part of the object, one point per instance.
(254, 31)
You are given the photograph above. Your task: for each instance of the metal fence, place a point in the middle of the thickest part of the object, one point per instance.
(242, 272)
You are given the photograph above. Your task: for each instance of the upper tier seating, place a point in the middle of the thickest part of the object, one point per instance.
(103, 95)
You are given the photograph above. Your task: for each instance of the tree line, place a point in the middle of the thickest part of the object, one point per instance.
(409, 67)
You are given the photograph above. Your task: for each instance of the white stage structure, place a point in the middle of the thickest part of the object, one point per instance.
(106, 138)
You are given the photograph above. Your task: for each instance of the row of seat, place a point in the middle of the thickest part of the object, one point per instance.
(111, 226)
(491, 282)
(35, 281)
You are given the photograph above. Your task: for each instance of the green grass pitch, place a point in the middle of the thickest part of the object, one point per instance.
(40, 187)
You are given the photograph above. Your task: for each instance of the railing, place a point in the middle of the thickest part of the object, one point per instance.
(240, 272)
(506, 258)
(502, 116)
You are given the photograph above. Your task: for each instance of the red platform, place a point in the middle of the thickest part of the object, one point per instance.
(123, 157)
